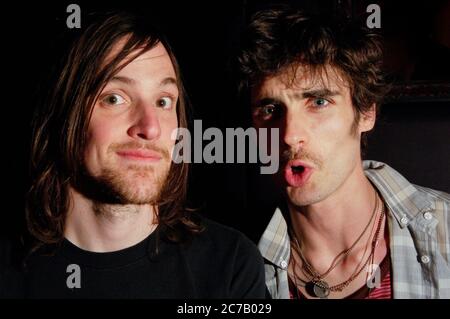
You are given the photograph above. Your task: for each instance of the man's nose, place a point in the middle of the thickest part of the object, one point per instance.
(294, 130)
(146, 123)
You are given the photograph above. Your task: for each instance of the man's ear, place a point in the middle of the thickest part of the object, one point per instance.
(367, 119)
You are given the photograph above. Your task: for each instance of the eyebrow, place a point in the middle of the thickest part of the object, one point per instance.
(323, 92)
(130, 81)
(307, 94)
(320, 93)
(169, 81)
(123, 79)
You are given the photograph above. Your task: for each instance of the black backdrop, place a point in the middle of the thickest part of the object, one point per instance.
(412, 137)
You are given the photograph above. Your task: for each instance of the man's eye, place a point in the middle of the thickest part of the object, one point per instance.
(165, 102)
(320, 102)
(113, 99)
(268, 110)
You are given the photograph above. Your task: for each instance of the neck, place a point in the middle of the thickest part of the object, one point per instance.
(328, 227)
(99, 227)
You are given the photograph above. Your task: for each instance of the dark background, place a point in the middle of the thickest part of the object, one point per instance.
(412, 134)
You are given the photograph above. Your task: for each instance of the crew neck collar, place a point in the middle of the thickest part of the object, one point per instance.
(146, 247)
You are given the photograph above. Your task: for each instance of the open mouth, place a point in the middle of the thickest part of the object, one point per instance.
(297, 173)
(298, 169)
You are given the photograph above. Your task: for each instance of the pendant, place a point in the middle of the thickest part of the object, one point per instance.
(318, 289)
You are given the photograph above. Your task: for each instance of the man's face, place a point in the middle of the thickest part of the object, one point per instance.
(319, 139)
(128, 144)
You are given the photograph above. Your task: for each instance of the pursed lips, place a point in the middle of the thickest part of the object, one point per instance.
(297, 173)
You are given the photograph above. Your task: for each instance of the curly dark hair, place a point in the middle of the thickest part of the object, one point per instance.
(281, 39)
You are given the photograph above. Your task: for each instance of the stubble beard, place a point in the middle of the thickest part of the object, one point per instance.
(132, 185)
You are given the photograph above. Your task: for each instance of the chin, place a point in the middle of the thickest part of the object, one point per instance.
(137, 188)
(302, 201)
(303, 196)
(139, 195)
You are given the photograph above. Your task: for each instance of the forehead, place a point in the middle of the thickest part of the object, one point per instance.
(303, 78)
(157, 58)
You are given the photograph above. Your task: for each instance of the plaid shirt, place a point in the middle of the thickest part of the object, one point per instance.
(419, 230)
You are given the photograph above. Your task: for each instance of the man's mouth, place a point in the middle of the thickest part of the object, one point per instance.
(297, 173)
(140, 155)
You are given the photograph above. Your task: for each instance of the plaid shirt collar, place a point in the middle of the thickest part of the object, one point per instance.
(404, 201)
(402, 198)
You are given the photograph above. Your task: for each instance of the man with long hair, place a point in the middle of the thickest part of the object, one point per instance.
(344, 228)
(106, 208)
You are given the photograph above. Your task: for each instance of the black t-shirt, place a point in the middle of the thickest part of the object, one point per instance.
(218, 263)
(11, 276)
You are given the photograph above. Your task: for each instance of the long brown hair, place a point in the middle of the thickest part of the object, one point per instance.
(59, 127)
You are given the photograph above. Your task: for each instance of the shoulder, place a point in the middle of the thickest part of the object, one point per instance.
(215, 229)
(440, 207)
(222, 246)
(434, 195)
(228, 253)
(397, 190)
(218, 236)
(11, 274)
(11, 253)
